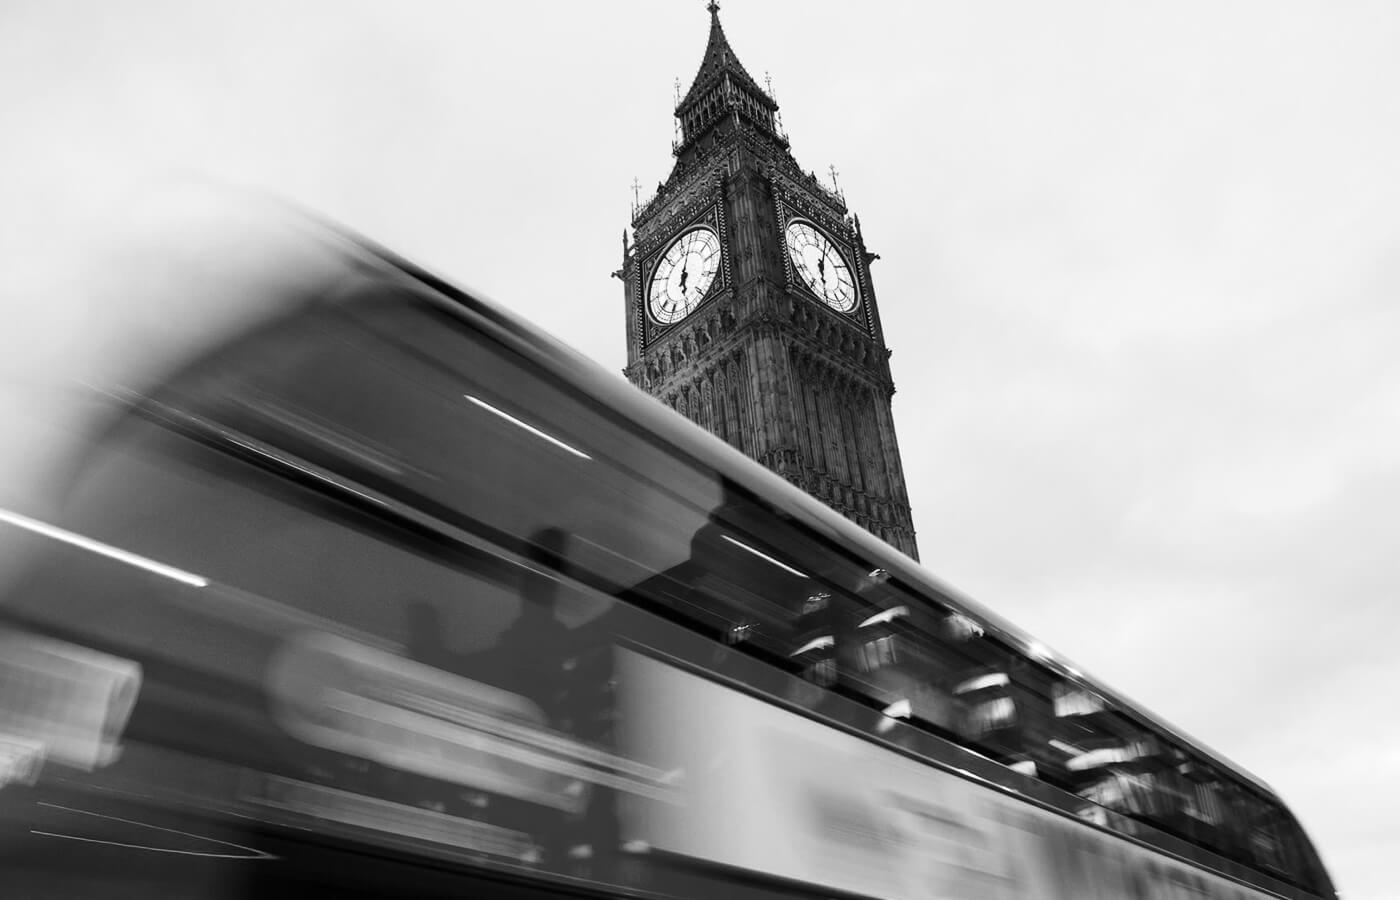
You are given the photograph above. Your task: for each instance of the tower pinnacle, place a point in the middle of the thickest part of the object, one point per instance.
(721, 87)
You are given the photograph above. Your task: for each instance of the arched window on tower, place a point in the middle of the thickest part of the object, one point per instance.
(739, 396)
(707, 418)
(723, 428)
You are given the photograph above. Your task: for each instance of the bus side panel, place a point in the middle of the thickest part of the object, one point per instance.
(770, 791)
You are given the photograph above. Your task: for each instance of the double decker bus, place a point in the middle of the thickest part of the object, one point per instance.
(373, 588)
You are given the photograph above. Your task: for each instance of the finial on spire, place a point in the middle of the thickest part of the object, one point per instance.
(834, 185)
(777, 123)
(713, 8)
(636, 194)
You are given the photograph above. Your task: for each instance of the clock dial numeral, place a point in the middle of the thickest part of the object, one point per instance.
(821, 266)
(683, 275)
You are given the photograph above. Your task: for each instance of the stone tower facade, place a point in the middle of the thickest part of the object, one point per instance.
(750, 308)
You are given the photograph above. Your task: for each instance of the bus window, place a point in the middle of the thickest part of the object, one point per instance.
(335, 655)
(1305, 866)
(743, 590)
(1266, 843)
(893, 664)
(978, 672)
(408, 400)
(1108, 759)
(1034, 688)
(1201, 812)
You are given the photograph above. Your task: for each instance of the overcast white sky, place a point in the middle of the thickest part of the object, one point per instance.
(1140, 266)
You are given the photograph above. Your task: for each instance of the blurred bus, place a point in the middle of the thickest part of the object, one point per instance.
(356, 584)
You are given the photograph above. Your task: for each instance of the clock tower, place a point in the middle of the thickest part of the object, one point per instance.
(750, 308)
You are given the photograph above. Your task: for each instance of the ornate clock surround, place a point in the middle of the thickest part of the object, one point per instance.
(711, 215)
(790, 205)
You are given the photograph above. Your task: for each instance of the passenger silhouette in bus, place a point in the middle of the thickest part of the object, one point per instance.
(567, 673)
(528, 659)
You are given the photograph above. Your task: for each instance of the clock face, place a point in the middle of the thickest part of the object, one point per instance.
(683, 275)
(821, 266)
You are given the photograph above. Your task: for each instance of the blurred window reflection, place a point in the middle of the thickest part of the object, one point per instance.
(287, 563)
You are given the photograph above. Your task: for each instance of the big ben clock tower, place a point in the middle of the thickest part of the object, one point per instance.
(750, 308)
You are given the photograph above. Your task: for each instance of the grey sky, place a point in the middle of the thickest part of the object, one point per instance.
(1139, 273)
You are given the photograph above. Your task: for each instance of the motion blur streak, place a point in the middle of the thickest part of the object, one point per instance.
(249, 852)
(107, 550)
(527, 427)
(764, 556)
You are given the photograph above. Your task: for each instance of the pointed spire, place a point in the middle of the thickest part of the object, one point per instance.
(720, 58)
(722, 97)
(677, 135)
